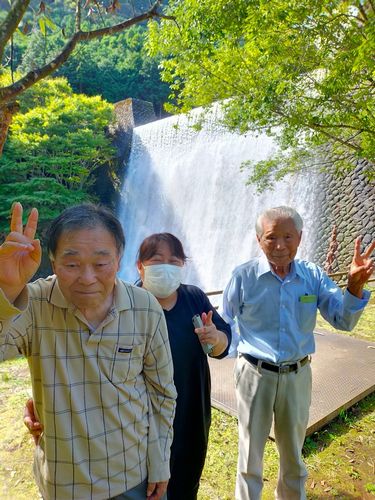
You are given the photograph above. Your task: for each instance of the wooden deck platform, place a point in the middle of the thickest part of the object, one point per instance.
(343, 373)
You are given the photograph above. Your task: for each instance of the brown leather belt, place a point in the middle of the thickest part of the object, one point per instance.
(292, 367)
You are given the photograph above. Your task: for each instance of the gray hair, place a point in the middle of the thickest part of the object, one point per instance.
(282, 212)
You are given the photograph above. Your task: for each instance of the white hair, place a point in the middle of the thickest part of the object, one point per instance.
(282, 212)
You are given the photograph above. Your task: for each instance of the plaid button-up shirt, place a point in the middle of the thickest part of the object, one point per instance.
(105, 398)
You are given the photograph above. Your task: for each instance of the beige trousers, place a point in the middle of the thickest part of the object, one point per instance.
(261, 396)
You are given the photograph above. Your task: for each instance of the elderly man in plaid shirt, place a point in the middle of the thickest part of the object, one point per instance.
(99, 358)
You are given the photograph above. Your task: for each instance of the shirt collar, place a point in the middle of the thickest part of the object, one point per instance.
(56, 296)
(123, 295)
(298, 269)
(264, 267)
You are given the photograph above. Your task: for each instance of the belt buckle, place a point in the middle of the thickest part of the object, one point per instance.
(284, 368)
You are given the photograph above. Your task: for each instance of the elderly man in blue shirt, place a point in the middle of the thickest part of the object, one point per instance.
(273, 300)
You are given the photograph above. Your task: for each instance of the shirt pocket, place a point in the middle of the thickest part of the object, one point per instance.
(306, 316)
(125, 363)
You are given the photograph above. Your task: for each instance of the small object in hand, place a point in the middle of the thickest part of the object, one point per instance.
(198, 323)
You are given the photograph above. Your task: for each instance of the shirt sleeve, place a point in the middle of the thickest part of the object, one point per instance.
(158, 373)
(13, 342)
(342, 311)
(232, 300)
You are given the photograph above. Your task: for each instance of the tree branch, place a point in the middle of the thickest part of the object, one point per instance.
(363, 12)
(344, 126)
(11, 22)
(12, 91)
(334, 138)
(346, 16)
(320, 130)
(6, 115)
(78, 17)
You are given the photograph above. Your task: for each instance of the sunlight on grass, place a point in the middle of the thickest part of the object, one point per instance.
(365, 328)
(340, 457)
(16, 446)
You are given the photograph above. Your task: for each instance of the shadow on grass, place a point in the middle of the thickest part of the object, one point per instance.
(346, 420)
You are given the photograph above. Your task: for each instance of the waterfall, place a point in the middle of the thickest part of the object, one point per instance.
(187, 180)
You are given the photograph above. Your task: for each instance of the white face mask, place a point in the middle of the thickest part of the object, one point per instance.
(162, 279)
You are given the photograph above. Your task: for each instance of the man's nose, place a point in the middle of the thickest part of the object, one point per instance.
(87, 275)
(280, 243)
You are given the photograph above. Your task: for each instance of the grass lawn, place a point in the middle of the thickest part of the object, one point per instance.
(340, 457)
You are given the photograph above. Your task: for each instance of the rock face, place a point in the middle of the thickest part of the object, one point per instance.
(129, 113)
(348, 204)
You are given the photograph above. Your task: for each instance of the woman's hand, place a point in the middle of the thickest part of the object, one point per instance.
(31, 422)
(155, 491)
(209, 334)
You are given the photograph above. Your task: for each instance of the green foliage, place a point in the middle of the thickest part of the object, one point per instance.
(299, 70)
(115, 67)
(309, 446)
(56, 143)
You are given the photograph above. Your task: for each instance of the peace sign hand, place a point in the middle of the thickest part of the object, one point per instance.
(209, 334)
(20, 254)
(361, 268)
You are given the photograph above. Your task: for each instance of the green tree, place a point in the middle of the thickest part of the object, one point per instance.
(21, 18)
(117, 67)
(114, 67)
(56, 145)
(300, 70)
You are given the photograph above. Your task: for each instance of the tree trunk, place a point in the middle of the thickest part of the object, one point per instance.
(6, 114)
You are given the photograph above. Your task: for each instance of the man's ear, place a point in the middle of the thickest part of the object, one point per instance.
(119, 263)
(53, 266)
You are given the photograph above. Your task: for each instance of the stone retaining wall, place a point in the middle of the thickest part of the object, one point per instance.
(349, 204)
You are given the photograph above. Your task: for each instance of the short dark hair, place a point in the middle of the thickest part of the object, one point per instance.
(149, 246)
(84, 216)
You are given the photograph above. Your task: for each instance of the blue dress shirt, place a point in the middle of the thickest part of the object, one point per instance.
(274, 318)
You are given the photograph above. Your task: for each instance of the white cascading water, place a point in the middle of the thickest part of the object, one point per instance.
(189, 183)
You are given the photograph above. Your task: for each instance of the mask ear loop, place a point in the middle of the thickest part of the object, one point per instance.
(141, 270)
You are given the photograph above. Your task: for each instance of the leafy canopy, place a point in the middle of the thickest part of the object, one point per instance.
(115, 67)
(74, 22)
(57, 142)
(300, 70)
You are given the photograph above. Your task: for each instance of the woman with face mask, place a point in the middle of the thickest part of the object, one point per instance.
(160, 263)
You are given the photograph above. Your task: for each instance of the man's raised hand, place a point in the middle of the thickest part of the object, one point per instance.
(361, 268)
(20, 254)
